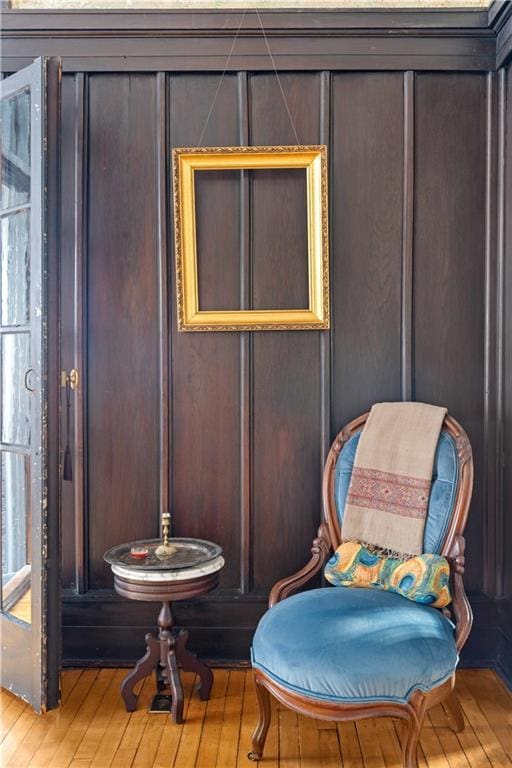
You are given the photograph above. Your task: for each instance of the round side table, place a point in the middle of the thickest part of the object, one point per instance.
(191, 571)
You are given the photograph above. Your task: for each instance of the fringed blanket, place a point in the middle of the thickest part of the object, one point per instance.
(389, 489)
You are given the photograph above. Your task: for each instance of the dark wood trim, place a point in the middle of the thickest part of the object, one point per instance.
(326, 337)
(327, 40)
(90, 23)
(162, 160)
(503, 29)
(496, 13)
(351, 54)
(407, 334)
(490, 358)
(80, 329)
(103, 629)
(245, 345)
(498, 448)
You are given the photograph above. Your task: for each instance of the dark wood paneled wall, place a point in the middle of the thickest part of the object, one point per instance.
(242, 421)
(231, 430)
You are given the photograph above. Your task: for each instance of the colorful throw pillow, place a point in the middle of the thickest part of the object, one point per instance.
(424, 578)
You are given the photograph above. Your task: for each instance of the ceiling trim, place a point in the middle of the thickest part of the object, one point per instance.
(344, 39)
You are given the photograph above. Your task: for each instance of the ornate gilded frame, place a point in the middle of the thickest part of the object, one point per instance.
(313, 159)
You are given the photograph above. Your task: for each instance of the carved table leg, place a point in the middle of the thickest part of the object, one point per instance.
(190, 663)
(142, 669)
(173, 676)
(163, 655)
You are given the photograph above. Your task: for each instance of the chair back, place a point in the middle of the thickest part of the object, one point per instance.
(450, 493)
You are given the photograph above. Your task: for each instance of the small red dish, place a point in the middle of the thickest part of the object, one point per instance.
(139, 553)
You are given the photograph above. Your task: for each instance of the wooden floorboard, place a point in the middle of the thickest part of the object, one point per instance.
(91, 729)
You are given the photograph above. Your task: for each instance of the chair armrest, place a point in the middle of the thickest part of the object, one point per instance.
(460, 603)
(320, 551)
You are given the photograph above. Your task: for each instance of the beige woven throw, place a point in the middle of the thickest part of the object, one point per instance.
(388, 494)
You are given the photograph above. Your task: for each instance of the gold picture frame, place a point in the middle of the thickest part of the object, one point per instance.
(313, 159)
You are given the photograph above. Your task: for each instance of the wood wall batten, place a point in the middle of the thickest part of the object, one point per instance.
(80, 326)
(326, 337)
(502, 164)
(407, 240)
(492, 336)
(163, 162)
(245, 346)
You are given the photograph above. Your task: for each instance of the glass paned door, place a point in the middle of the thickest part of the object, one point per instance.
(23, 383)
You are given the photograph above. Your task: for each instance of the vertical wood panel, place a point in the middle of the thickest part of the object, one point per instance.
(68, 153)
(279, 239)
(449, 263)
(366, 247)
(123, 370)
(74, 96)
(205, 366)
(286, 398)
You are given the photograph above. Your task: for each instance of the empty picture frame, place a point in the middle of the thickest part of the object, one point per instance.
(313, 159)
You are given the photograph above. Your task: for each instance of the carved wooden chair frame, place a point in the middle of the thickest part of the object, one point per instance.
(413, 712)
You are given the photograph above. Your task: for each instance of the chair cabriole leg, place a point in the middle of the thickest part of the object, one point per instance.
(260, 732)
(454, 710)
(412, 731)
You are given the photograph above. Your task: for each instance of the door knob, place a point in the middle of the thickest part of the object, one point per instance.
(73, 377)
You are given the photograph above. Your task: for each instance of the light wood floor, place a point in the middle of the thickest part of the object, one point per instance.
(92, 730)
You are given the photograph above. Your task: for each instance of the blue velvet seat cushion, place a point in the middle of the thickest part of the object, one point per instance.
(354, 645)
(442, 490)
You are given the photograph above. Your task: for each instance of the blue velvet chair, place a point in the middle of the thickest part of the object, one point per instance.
(340, 653)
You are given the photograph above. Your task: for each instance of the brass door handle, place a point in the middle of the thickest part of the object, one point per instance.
(25, 380)
(73, 377)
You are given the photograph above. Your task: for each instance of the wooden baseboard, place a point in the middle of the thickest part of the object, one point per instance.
(119, 641)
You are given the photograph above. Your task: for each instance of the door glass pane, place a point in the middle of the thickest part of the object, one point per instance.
(15, 169)
(16, 532)
(15, 395)
(15, 277)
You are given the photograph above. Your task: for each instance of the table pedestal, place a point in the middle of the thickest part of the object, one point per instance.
(168, 652)
(164, 654)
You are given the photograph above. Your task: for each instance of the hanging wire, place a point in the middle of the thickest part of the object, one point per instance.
(277, 77)
(205, 126)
